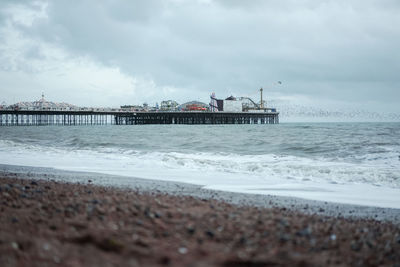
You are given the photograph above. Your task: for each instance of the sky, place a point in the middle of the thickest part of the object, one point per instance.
(341, 53)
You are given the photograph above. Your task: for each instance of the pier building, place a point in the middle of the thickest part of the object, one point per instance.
(232, 110)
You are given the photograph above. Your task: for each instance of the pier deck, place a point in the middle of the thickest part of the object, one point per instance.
(57, 117)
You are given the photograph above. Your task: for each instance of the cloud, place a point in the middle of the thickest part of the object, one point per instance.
(341, 50)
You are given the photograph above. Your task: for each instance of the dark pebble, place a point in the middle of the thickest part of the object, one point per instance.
(165, 234)
(191, 230)
(284, 222)
(285, 237)
(306, 232)
(355, 245)
(34, 183)
(210, 233)
(110, 245)
(165, 260)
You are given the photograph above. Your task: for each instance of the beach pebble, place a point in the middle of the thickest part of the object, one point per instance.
(182, 250)
(306, 232)
(56, 259)
(210, 233)
(284, 237)
(14, 245)
(46, 247)
(355, 245)
(191, 230)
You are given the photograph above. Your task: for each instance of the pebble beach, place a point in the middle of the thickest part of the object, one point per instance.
(53, 223)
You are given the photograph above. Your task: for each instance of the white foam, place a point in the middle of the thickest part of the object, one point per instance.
(365, 183)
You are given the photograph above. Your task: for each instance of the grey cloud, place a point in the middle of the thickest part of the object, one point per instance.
(321, 48)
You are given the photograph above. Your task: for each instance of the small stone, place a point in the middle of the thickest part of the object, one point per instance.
(34, 183)
(210, 233)
(191, 230)
(56, 259)
(110, 245)
(182, 250)
(388, 247)
(284, 222)
(165, 260)
(14, 245)
(46, 247)
(356, 246)
(14, 220)
(285, 237)
(306, 232)
(333, 237)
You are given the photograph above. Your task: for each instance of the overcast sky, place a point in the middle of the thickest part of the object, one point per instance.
(109, 53)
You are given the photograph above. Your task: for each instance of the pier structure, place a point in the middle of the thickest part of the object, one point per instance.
(60, 117)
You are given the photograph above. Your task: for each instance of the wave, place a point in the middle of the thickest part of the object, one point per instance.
(372, 169)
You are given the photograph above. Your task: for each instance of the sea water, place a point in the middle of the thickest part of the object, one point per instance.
(356, 163)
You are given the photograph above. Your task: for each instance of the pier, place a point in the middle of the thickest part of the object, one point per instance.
(70, 118)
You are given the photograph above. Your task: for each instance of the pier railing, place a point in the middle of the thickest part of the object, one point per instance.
(56, 117)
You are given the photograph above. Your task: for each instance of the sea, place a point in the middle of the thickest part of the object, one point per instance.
(353, 163)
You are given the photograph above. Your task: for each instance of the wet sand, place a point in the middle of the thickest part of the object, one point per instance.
(52, 223)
